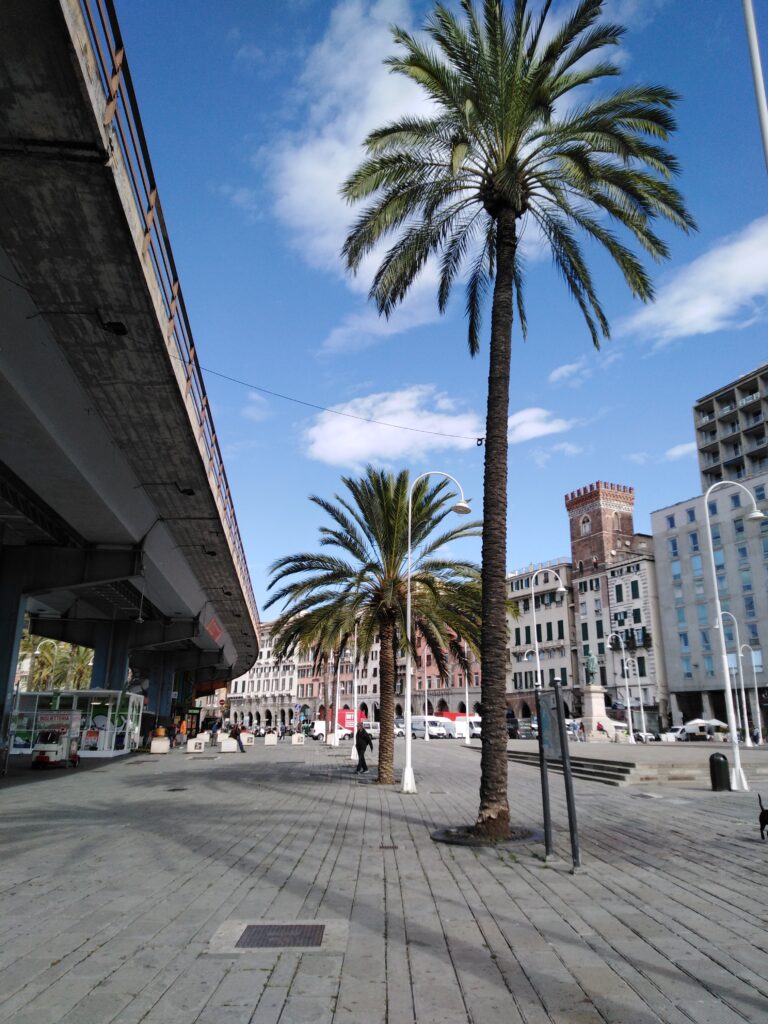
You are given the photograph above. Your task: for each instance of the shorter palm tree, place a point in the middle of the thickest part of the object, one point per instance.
(327, 594)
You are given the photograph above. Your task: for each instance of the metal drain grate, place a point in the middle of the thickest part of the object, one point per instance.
(266, 936)
(177, 789)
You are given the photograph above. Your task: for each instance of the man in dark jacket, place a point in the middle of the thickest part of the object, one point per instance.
(362, 742)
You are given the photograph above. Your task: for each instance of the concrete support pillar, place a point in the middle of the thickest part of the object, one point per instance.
(110, 658)
(161, 680)
(12, 608)
(706, 705)
(674, 710)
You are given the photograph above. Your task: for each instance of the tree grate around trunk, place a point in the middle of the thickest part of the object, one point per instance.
(267, 936)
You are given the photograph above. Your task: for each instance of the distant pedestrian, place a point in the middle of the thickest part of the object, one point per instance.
(171, 734)
(215, 726)
(582, 733)
(234, 734)
(281, 734)
(183, 731)
(362, 742)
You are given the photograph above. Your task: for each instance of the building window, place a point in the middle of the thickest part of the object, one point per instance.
(670, 522)
(686, 663)
(619, 593)
(636, 615)
(560, 630)
(599, 626)
(586, 526)
(690, 514)
(584, 631)
(634, 588)
(702, 613)
(712, 506)
(693, 540)
(720, 559)
(736, 500)
(674, 549)
(752, 635)
(564, 676)
(641, 667)
(760, 492)
(676, 574)
(684, 645)
(749, 607)
(715, 531)
(681, 616)
(746, 580)
(709, 666)
(549, 631)
(704, 637)
(696, 568)
(517, 636)
(738, 527)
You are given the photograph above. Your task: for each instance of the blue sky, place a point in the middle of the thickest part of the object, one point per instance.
(254, 114)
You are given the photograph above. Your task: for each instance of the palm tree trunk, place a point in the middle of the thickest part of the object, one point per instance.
(493, 816)
(387, 675)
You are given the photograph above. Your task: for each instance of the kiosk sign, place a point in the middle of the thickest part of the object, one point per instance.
(550, 731)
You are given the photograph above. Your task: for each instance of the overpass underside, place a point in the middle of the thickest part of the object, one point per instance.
(117, 528)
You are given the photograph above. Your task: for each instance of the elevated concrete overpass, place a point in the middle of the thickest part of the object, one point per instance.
(117, 526)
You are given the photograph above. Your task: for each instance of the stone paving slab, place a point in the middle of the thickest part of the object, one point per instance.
(117, 885)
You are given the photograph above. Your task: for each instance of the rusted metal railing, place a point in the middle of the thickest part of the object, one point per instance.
(121, 115)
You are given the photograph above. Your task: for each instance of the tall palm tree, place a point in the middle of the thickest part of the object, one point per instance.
(365, 583)
(520, 134)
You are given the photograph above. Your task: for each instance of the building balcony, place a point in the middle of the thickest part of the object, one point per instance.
(749, 399)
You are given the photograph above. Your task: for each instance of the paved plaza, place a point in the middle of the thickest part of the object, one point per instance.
(124, 888)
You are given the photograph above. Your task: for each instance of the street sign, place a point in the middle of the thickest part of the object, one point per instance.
(222, 703)
(550, 733)
(297, 707)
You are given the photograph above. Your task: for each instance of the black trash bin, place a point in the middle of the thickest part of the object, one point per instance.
(719, 773)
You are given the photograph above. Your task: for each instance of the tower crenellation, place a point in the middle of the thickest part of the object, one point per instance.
(601, 522)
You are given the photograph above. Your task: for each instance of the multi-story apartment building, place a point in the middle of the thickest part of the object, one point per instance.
(610, 581)
(442, 694)
(687, 595)
(535, 590)
(730, 425)
(615, 594)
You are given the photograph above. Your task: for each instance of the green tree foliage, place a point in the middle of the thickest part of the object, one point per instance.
(363, 581)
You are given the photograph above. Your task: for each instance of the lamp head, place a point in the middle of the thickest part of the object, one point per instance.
(462, 508)
(561, 590)
(755, 515)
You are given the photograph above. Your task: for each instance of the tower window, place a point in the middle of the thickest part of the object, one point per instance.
(586, 526)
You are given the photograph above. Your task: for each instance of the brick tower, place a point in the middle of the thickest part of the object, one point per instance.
(602, 527)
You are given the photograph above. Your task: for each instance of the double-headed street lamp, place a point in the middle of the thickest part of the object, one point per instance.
(625, 669)
(562, 589)
(738, 779)
(747, 739)
(462, 508)
(758, 716)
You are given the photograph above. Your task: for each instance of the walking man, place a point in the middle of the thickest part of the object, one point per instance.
(362, 742)
(234, 733)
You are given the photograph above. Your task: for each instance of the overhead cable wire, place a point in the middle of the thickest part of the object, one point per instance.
(337, 412)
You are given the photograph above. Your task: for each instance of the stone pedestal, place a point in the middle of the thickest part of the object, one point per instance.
(297, 739)
(593, 712)
(160, 745)
(270, 740)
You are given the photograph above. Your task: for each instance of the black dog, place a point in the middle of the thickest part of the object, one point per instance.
(763, 818)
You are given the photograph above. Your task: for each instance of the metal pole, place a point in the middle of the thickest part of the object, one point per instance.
(744, 716)
(467, 740)
(757, 74)
(640, 696)
(353, 750)
(625, 669)
(573, 827)
(335, 741)
(409, 782)
(543, 772)
(738, 779)
(758, 716)
(426, 705)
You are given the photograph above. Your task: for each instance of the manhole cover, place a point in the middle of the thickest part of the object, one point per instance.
(265, 936)
(177, 789)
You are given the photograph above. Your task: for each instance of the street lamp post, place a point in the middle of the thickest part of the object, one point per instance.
(467, 738)
(744, 717)
(334, 738)
(640, 697)
(353, 751)
(426, 705)
(560, 590)
(738, 779)
(625, 666)
(462, 508)
(758, 716)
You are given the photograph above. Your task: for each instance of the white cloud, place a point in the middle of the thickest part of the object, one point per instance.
(639, 458)
(528, 424)
(341, 441)
(680, 451)
(568, 449)
(249, 53)
(633, 13)
(726, 288)
(257, 408)
(243, 198)
(571, 373)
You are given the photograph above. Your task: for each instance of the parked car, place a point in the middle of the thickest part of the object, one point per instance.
(475, 728)
(677, 732)
(436, 727)
(399, 730)
(374, 728)
(645, 737)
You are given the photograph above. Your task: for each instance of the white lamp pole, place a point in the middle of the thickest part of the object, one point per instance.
(353, 750)
(462, 508)
(758, 716)
(630, 726)
(757, 74)
(426, 703)
(738, 779)
(744, 716)
(640, 697)
(560, 590)
(334, 738)
(467, 739)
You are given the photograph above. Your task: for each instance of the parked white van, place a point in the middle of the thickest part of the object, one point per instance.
(436, 727)
(372, 728)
